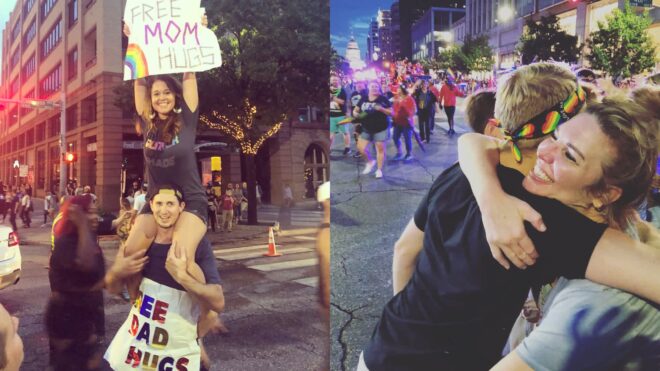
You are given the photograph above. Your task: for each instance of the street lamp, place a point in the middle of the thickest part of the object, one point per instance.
(504, 14)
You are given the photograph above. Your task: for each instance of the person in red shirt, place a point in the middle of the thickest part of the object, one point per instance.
(404, 109)
(448, 94)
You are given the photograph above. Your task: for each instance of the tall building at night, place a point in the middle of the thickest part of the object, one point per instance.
(74, 49)
(379, 40)
(373, 40)
(396, 30)
(433, 32)
(411, 11)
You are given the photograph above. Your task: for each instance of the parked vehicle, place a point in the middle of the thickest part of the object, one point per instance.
(10, 257)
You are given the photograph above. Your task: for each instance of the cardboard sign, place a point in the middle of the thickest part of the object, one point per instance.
(160, 332)
(166, 36)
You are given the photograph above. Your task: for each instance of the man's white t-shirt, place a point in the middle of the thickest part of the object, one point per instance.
(139, 202)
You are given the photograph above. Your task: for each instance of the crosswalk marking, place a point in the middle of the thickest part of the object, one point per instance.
(306, 238)
(243, 248)
(309, 281)
(258, 254)
(285, 265)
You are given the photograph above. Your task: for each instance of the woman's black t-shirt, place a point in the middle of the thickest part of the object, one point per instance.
(175, 162)
(374, 121)
(458, 308)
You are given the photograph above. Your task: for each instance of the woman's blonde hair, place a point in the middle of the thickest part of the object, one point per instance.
(172, 124)
(632, 128)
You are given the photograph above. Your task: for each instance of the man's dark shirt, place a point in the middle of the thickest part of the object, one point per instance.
(155, 267)
(458, 308)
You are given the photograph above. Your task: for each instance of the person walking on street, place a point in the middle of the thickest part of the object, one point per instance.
(375, 124)
(227, 210)
(448, 94)
(287, 195)
(12, 206)
(26, 208)
(212, 205)
(426, 102)
(238, 198)
(403, 112)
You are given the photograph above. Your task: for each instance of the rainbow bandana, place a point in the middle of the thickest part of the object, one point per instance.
(545, 122)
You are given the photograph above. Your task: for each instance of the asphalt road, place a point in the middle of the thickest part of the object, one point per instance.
(368, 216)
(271, 311)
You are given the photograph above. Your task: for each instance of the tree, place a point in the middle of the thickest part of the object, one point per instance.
(621, 47)
(275, 61)
(449, 58)
(338, 63)
(545, 40)
(476, 54)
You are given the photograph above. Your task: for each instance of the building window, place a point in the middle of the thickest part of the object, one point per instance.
(21, 141)
(89, 49)
(51, 83)
(29, 67)
(27, 6)
(72, 64)
(41, 169)
(72, 117)
(73, 12)
(14, 86)
(29, 137)
(16, 31)
(88, 110)
(54, 126)
(46, 7)
(13, 116)
(41, 132)
(15, 58)
(30, 33)
(51, 40)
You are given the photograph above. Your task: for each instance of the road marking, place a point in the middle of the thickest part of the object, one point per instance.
(241, 249)
(285, 265)
(307, 238)
(258, 254)
(300, 231)
(309, 281)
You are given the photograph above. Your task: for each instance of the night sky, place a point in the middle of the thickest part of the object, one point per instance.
(353, 16)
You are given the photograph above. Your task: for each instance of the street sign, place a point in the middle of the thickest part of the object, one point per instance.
(23, 171)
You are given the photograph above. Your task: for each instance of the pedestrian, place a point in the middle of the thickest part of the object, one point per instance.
(357, 94)
(448, 94)
(338, 105)
(373, 112)
(244, 201)
(11, 344)
(140, 199)
(227, 210)
(124, 221)
(75, 319)
(87, 190)
(238, 199)
(287, 195)
(212, 208)
(3, 202)
(258, 190)
(403, 111)
(13, 205)
(173, 324)
(26, 208)
(480, 107)
(426, 103)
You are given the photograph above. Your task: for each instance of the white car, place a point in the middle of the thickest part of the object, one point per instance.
(10, 257)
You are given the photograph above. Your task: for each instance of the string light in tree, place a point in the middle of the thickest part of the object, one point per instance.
(241, 127)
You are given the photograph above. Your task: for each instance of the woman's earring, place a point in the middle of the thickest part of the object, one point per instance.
(176, 110)
(153, 115)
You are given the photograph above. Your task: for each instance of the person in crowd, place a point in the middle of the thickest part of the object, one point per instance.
(87, 190)
(169, 114)
(12, 206)
(456, 310)
(238, 199)
(140, 199)
(259, 193)
(479, 109)
(192, 306)
(375, 124)
(212, 207)
(448, 94)
(426, 108)
(403, 112)
(287, 196)
(26, 208)
(124, 221)
(244, 201)
(3, 202)
(11, 344)
(227, 209)
(358, 93)
(338, 102)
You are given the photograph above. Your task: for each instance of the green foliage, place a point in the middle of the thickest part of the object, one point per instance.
(448, 58)
(621, 47)
(338, 63)
(124, 98)
(476, 54)
(275, 54)
(545, 40)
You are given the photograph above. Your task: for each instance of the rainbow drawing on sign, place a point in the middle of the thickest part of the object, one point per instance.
(136, 61)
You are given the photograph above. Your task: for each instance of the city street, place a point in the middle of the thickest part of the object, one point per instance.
(368, 215)
(271, 311)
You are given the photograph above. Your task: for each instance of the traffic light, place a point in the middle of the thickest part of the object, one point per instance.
(70, 157)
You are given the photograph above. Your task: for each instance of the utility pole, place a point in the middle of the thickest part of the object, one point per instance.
(63, 169)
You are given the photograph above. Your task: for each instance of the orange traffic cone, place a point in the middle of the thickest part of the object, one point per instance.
(272, 249)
